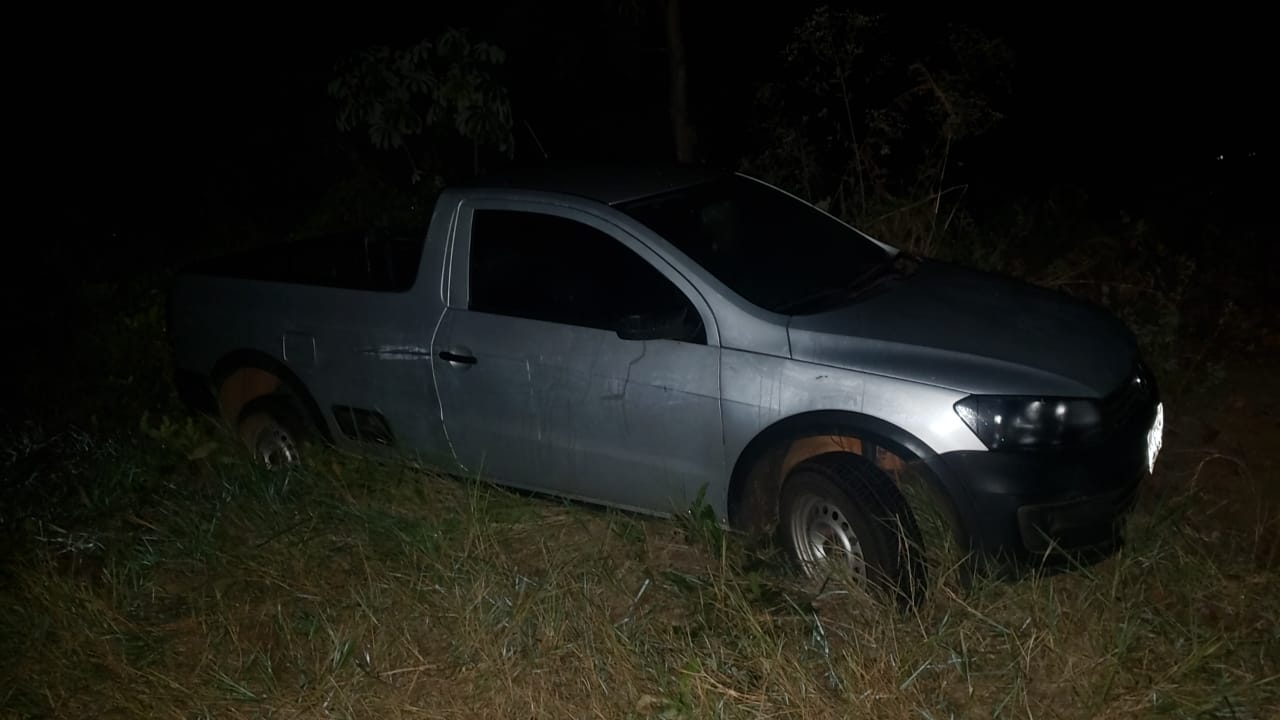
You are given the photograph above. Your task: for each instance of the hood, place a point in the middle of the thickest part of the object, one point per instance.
(972, 331)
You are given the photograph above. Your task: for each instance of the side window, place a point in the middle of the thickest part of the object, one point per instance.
(545, 267)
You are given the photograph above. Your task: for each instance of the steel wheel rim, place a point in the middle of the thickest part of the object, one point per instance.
(276, 448)
(823, 538)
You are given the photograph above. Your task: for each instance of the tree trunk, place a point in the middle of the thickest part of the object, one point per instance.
(677, 73)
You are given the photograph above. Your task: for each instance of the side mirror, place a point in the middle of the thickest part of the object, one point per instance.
(664, 325)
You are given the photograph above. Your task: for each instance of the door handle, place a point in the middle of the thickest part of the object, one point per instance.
(456, 358)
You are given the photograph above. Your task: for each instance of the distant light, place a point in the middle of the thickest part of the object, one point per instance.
(1222, 157)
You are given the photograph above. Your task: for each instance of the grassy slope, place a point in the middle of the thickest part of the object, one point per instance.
(149, 571)
(175, 580)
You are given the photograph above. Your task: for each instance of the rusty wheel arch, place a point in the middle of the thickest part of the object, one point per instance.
(245, 375)
(755, 485)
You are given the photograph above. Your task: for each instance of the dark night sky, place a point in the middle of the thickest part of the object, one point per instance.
(132, 125)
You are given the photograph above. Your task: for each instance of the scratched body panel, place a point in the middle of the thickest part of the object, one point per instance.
(581, 412)
(760, 390)
(372, 349)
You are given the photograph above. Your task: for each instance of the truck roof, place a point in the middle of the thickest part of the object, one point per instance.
(606, 183)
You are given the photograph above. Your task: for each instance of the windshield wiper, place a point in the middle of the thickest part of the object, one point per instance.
(901, 264)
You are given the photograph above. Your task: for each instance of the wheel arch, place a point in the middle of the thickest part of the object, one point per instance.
(755, 483)
(244, 375)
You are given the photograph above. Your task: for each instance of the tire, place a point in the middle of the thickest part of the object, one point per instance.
(273, 430)
(840, 516)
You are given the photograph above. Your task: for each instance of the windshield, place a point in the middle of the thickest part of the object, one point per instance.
(765, 245)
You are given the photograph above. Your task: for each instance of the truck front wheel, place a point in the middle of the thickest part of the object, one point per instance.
(840, 516)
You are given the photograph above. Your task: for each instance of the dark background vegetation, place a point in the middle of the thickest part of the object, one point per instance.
(152, 134)
(1093, 149)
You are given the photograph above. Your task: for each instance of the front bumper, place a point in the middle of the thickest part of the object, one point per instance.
(1046, 507)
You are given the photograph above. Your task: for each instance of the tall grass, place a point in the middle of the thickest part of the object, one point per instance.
(161, 575)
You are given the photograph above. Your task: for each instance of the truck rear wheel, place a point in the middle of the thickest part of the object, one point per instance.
(841, 517)
(273, 430)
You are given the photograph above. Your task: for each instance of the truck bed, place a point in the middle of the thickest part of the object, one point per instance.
(382, 261)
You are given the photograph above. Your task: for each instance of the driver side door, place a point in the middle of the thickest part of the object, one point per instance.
(572, 359)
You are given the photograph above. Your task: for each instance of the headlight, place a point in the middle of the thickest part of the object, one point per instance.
(1029, 422)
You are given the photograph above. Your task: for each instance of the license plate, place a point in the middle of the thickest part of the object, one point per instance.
(1155, 438)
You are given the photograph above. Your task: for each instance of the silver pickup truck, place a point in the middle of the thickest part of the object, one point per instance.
(644, 338)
